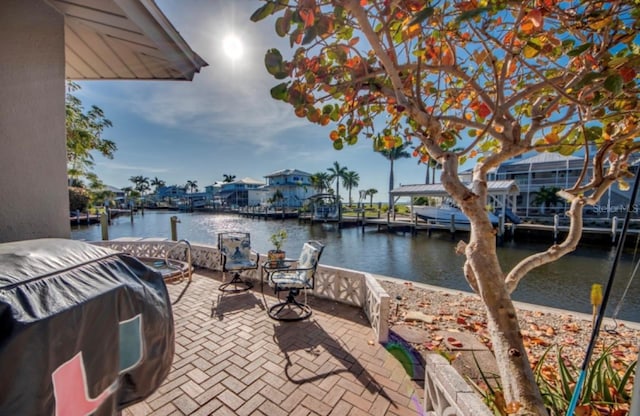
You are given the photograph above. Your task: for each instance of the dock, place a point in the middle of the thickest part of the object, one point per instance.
(268, 213)
(86, 218)
(556, 232)
(552, 233)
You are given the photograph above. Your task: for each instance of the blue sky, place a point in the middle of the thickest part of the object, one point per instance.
(224, 121)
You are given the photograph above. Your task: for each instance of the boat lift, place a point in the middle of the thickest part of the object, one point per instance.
(502, 195)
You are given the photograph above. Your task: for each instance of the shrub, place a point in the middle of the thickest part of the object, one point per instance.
(78, 199)
(606, 390)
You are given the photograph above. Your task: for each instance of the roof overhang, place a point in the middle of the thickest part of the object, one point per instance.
(494, 188)
(123, 39)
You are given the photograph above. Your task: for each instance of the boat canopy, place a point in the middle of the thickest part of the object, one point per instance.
(494, 188)
(324, 207)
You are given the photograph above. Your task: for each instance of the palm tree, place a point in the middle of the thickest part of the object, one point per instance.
(144, 186)
(371, 192)
(546, 197)
(351, 180)
(392, 155)
(127, 193)
(337, 172)
(141, 183)
(320, 181)
(276, 197)
(192, 185)
(135, 180)
(228, 178)
(158, 183)
(431, 165)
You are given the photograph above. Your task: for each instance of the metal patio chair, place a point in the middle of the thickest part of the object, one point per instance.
(295, 276)
(236, 256)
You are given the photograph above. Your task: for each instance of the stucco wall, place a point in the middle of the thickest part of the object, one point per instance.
(33, 179)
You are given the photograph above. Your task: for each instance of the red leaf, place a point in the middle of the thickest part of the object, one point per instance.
(307, 17)
(627, 74)
(532, 22)
(454, 342)
(483, 110)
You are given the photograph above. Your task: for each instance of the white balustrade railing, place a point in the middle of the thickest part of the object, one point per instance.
(446, 393)
(346, 286)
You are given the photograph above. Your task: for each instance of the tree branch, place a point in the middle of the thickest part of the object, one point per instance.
(554, 252)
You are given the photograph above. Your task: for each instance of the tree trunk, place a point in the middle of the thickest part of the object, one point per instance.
(483, 270)
(485, 276)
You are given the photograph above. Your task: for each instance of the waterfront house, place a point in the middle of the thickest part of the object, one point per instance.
(169, 193)
(294, 185)
(554, 171)
(236, 194)
(117, 195)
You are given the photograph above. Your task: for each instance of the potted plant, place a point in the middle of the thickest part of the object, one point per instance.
(277, 255)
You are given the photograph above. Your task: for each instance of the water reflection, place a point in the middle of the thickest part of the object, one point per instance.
(563, 284)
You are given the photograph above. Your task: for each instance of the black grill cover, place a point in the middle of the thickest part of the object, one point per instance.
(83, 329)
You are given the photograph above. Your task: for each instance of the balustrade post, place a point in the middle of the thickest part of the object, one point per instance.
(104, 225)
(174, 228)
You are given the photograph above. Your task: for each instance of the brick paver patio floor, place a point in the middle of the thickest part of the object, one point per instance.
(232, 359)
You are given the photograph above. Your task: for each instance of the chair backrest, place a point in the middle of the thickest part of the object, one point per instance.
(310, 257)
(235, 247)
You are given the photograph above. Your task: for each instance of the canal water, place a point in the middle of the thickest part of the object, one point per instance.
(564, 284)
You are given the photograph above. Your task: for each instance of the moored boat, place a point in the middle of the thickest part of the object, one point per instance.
(445, 213)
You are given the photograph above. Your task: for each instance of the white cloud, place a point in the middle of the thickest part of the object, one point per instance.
(132, 168)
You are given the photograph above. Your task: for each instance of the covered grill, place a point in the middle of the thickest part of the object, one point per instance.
(83, 329)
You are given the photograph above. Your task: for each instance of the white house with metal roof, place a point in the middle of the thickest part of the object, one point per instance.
(294, 185)
(238, 193)
(554, 171)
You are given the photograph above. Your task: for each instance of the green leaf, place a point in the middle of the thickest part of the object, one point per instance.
(613, 83)
(577, 51)
(282, 26)
(263, 12)
(588, 79)
(593, 133)
(351, 140)
(335, 114)
(309, 35)
(566, 150)
(293, 37)
(530, 50)
(274, 64)
(625, 378)
(279, 92)
(421, 16)
(471, 14)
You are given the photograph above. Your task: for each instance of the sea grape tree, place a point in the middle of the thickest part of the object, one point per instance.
(481, 80)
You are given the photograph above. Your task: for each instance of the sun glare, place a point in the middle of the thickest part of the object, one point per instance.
(232, 47)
